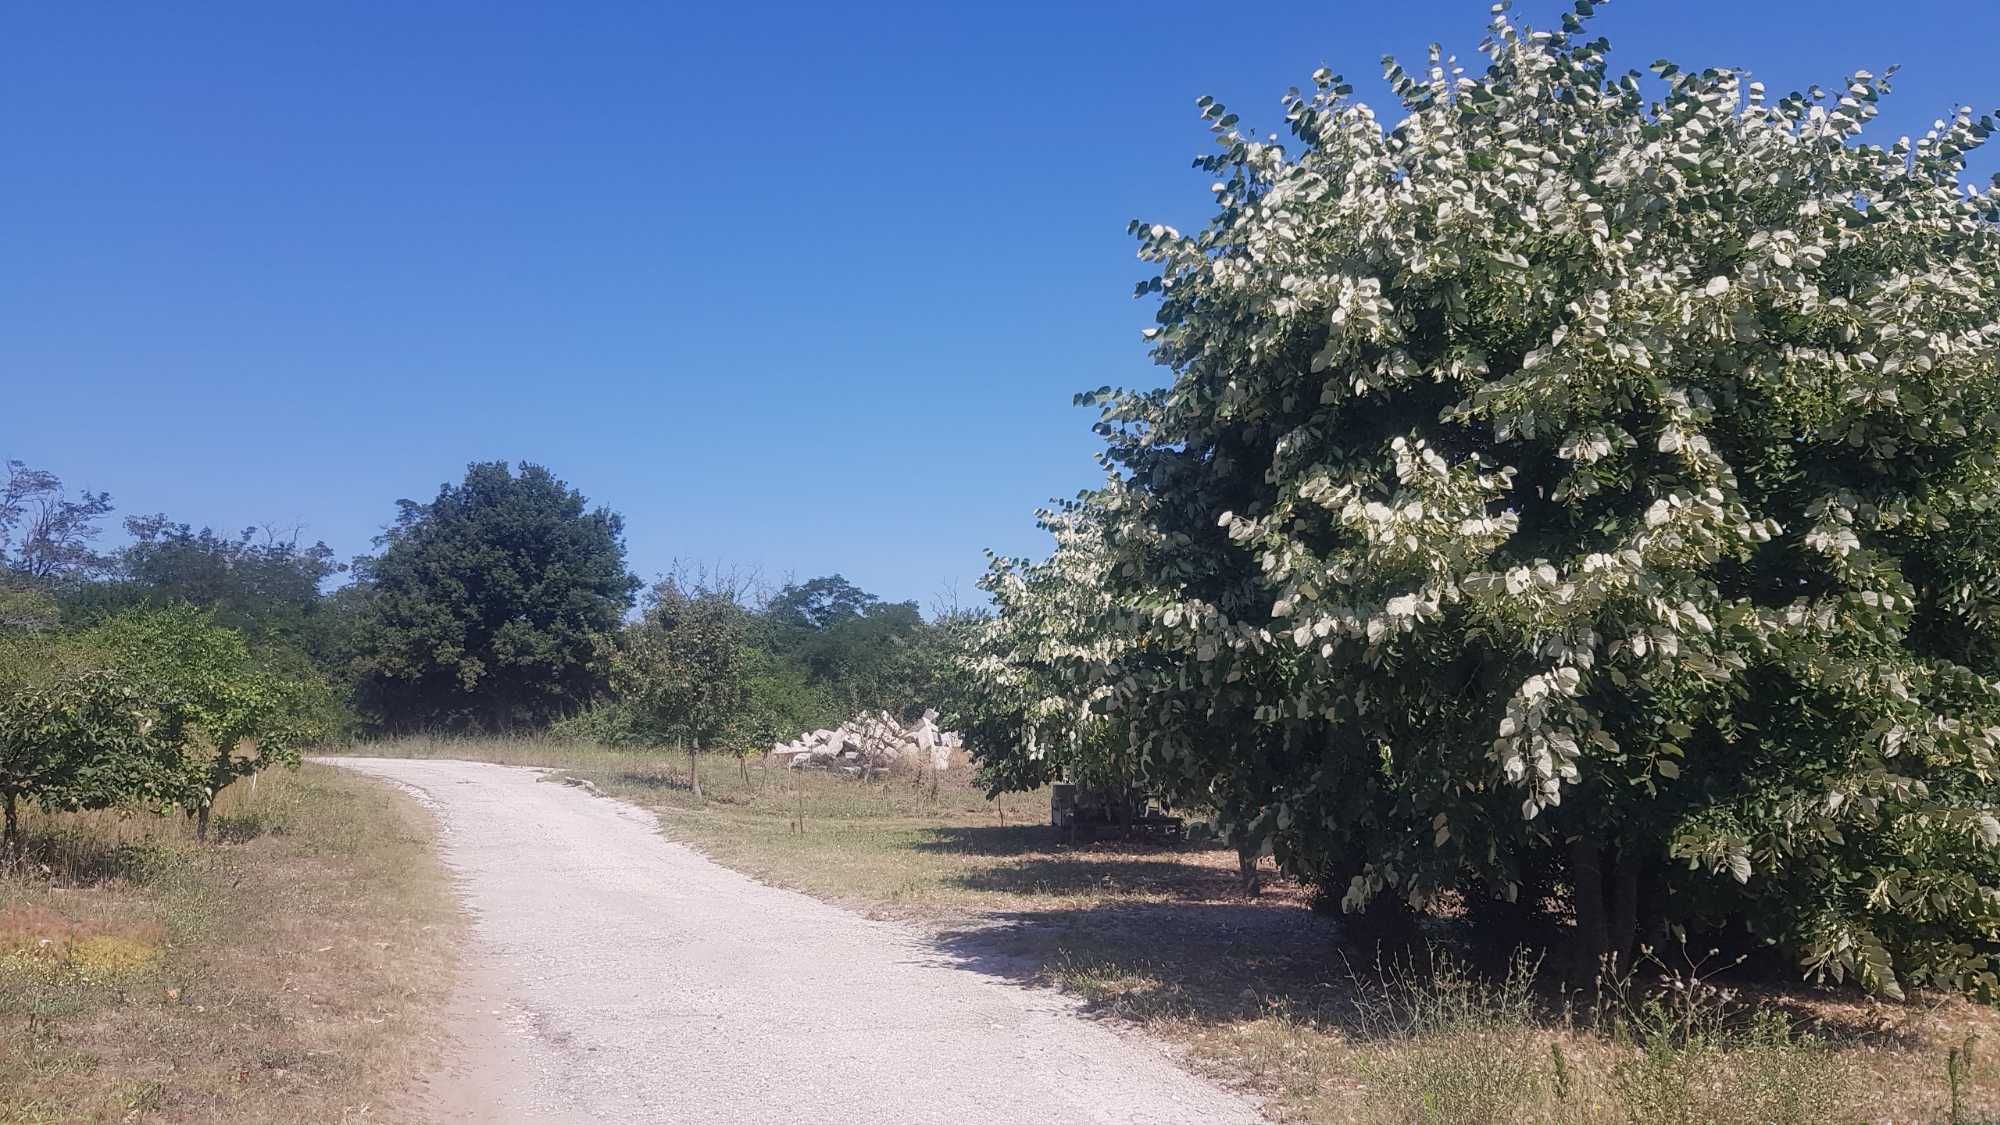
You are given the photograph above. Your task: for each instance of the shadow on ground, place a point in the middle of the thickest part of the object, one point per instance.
(1211, 961)
(1088, 873)
(1025, 839)
(1215, 962)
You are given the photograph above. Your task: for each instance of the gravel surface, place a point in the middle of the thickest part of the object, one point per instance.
(617, 976)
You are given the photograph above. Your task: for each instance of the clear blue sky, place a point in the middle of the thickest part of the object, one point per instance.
(806, 288)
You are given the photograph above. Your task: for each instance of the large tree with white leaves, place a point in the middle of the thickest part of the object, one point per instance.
(1586, 483)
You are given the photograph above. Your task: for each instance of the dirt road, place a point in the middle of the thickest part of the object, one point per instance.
(618, 976)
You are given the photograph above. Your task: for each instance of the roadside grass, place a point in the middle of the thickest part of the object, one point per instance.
(1257, 994)
(291, 971)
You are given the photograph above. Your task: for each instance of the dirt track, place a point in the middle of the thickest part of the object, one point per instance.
(617, 976)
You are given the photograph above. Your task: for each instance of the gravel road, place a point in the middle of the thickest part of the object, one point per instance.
(617, 976)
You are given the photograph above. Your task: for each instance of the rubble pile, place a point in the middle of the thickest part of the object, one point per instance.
(870, 742)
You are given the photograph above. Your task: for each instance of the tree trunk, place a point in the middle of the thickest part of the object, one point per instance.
(1593, 936)
(10, 844)
(694, 775)
(1246, 866)
(1622, 926)
(201, 823)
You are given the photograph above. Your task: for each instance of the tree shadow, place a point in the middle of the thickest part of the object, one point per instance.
(72, 858)
(987, 840)
(1213, 962)
(1219, 963)
(240, 828)
(1024, 839)
(1092, 872)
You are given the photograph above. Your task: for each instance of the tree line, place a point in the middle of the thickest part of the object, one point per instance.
(502, 605)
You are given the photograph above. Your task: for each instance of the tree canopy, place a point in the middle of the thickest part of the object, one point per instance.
(219, 713)
(488, 606)
(75, 733)
(1587, 482)
(682, 672)
(45, 535)
(260, 582)
(858, 651)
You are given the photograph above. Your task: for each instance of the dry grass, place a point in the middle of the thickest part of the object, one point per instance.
(1256, 993)
(290, 972)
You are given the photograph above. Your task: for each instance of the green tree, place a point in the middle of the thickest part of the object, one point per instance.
(487, 606)
(262, 583)
(852, 648)
(73, 735)
(780, 700)
(45, 536)
(683, 670)
(818, 603)
(1568, 487)
(221, 714)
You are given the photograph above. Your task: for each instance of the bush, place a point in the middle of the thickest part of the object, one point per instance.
(73, 735)
(603, 723)
(1563, 487)
(220, 713)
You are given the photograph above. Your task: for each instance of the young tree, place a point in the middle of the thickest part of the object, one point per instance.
(1575, 486)
(487, 606)
(221, 714)
(682, 670)
(72, 735)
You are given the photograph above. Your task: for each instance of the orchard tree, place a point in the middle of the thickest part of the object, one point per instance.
(1586, 484)
(489, 605)
(73, 735)
(220, 714)
(683, 671)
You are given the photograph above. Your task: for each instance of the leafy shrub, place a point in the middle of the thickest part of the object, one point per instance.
(604, 722)
(1566, 486)
(220, 714)
(73, 734)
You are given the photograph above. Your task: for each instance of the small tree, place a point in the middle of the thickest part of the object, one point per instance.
(222, 715)
(72, 736)
(682, 669)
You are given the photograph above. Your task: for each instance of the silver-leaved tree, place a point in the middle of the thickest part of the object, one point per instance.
(1584, 487)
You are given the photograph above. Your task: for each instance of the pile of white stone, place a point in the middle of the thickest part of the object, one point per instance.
(871, 742)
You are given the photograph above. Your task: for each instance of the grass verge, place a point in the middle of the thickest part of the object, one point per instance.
(289, 972)
(1256, 993)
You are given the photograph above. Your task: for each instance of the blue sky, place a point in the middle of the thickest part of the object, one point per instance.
(799, 287)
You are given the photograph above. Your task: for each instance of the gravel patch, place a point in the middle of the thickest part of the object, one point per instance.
(615, 975)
